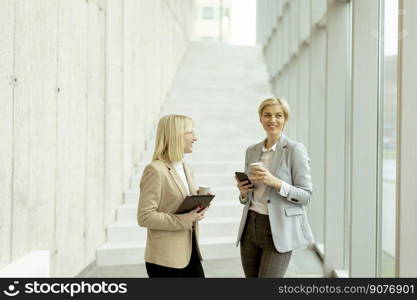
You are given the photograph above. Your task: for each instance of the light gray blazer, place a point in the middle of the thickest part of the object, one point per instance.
(287, 216)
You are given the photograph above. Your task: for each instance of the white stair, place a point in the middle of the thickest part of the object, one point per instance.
(132, 253)
(223, 209)
(210, 227)
(222, 194)
(220, 87)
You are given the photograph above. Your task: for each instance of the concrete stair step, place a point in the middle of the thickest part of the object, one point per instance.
(230, 208)
(183, 78)
(131, 196)
(223, 57)
(214, 98)
(228, 143)
(224, 53)
(202, 156)
(214, 70)
(226, 62)
(209, 227)
(201, 47)
(217, 89)
(230, 96)
(250, 93)
(122, 253)
(212, 51)
(225, 209)
(208, 45)
(220, 125)
(218, 110)
(223, 137)
(201, 117)
(215, 181)
(217, 92)
(214, 167)
(239, 56)
(239, 80)
(131, 253)
(218, 98)
(215, 107)
(211, 71)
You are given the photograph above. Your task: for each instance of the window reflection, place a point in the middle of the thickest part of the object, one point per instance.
(389, 138)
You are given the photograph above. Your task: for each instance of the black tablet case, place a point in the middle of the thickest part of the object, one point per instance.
(191, 202)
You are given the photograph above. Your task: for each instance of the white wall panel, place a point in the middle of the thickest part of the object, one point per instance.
(89, 87)
(133, 115)
(113, 182)
(35, 131)
(7, 14)
(71, 139)
(94, 229)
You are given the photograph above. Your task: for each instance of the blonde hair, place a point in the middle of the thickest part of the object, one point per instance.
(169, 144)
(275, 101)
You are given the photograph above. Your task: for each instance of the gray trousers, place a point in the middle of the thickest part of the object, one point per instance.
(257, 251)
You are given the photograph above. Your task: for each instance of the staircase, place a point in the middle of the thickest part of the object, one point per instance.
(220, 87)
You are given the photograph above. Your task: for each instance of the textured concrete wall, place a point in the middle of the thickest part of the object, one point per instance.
(6, 126)
(81, 86)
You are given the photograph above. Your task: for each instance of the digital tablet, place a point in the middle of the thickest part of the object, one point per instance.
(191, 202)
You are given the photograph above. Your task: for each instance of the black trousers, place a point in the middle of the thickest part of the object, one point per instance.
(194, 269)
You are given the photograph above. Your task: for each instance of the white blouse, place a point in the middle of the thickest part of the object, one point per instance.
(259, 200)
(179, 168)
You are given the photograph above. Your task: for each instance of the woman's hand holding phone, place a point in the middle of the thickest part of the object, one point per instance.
(244, 187)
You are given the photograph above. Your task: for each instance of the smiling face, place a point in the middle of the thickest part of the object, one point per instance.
(189, 139)
(273, 120)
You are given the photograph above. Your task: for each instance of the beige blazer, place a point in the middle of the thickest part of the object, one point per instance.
(169, 238)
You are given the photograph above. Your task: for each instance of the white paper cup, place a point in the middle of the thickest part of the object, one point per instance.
(203, 190)
(257, 164)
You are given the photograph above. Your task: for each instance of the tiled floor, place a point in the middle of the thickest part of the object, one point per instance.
(304, 263)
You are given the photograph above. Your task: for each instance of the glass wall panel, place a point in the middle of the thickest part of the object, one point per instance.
(389, 137)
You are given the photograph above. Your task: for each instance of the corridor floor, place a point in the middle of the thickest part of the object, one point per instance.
(304, 263)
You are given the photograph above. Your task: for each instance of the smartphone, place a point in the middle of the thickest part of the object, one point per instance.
(242, 177)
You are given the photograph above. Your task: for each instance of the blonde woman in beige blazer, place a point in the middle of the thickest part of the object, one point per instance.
(172, 240)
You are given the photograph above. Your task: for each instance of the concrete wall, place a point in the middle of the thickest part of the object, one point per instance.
(81, 86)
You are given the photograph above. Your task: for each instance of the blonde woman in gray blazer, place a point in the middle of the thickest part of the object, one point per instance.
(274, 220)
